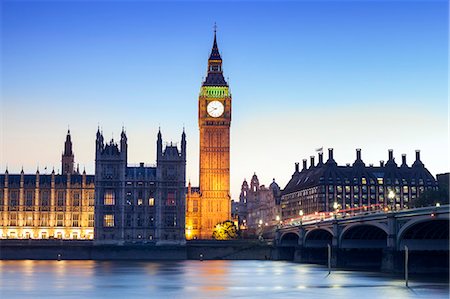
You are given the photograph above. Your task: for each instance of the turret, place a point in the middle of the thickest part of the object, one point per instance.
(183, 144)
(124, 144)
(67, 159)
(159, 145)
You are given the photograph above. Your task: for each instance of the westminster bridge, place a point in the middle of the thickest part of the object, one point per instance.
(372, 239)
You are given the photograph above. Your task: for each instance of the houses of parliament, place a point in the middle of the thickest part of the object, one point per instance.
(130, 203)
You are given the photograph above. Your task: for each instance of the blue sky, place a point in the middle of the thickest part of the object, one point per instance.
(303, 74)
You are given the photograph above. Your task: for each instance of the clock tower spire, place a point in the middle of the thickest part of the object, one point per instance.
(214, 119)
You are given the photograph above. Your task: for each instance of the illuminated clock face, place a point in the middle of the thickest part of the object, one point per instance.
(215, 108)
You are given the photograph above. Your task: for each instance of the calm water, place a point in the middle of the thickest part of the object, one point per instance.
(195, 279)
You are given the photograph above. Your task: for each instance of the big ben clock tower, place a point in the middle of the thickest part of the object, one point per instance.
(214, 118)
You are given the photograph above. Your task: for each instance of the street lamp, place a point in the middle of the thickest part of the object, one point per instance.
(391, 196)
(335, 205)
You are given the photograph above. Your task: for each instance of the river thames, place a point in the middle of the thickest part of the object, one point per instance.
(207, 279)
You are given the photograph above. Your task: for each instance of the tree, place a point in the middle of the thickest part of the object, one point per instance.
(225, 231)
(431, 198)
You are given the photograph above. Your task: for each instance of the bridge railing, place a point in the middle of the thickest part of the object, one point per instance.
(338, 214)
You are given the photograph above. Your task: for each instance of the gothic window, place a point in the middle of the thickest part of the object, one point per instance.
(108, 220)
(29, 219)
(109, 198)
(60, 219)
(60, 199)
(195, 206)
(170, 199)
(76, 220)
(151, 201)
(44, 219)
(13, 219)
(76, 199)
(91, 198)
(91, 220)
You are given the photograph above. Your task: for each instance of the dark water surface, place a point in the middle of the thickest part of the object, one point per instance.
(208, 279)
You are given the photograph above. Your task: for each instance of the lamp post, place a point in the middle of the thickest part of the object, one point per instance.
(300, 213)
(391, 196)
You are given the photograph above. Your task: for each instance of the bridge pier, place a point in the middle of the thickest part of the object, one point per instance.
(388, 260)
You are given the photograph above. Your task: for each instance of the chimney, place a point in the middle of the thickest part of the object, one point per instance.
(404, 160)
(296, 167)
(304, 164)
(320, 158)
(391, 154)
(312, 162)
(417, 155)
(358, 154)
(330, 154)
(381, 163)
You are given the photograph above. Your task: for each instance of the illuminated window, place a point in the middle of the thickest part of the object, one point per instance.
(91, 220)
(44, 219)
(405, 189)
(59, 219)
(139, 202)
(151, 201)
(91, 199)
(109, 198)
(108, 220)
(75, 220)
(195, 206)
(12, 219)
(29, 220)
(363, 181)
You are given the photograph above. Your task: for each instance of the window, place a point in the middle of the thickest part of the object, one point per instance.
(12, 219)
(29, 219)
(195, 206)
(109, 198)
(363, 181)
(108, 220)
(151, 201)
(75, 220)
(44, 219)
(29, 200)
(60, 219)
(170, 199)
(139, 202)
(76, 199)
(91, 220)
(91, 199)
(61, 198)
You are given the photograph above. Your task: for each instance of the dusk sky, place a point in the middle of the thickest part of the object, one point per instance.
(303, 75)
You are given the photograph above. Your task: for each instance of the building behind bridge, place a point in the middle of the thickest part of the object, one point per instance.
(327, 186)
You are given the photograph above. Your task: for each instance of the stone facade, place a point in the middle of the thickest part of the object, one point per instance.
(259, 207)
(139, 203)
(43, 206)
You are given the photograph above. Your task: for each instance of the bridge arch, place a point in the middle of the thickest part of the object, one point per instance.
(368, 235)
(318, 237)
(434, 230)
(289, 239)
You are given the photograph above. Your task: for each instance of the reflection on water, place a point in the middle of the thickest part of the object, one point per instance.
(195, 279)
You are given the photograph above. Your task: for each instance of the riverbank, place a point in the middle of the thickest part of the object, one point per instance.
(88, 250)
